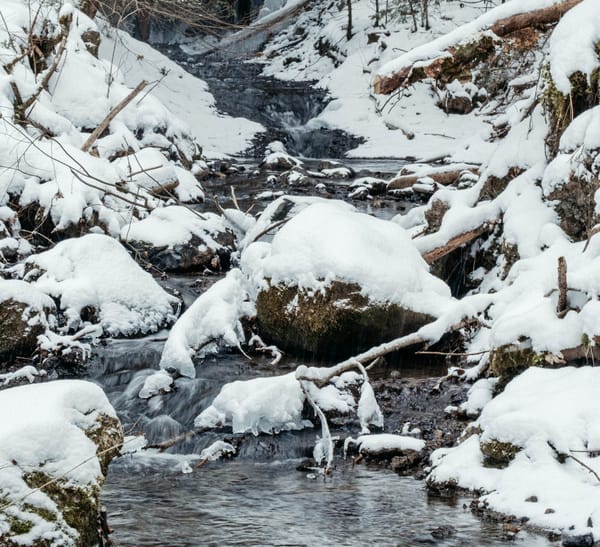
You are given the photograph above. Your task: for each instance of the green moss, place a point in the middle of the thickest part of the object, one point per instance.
(498, 454)
(509, 361)
(107, 435)
(19, 526)
(465, 58)
(333, 323)
(77, 504)
(46, 514)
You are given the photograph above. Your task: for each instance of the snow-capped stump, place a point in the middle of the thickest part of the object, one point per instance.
(334, 281)
(534, 429)
(177, 239)
(54, 456)
(23, 317)
(94, 279)
(278, 159)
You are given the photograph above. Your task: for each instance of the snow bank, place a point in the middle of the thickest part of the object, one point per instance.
(574, 43)
(212, 321)
(95, 271)
(538, 407)
(329, 241)
(48, 433)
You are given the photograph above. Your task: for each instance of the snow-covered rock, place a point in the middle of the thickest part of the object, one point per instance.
(385, 445)
(94, 279)
(176, 238)
(211, 322)
(54, 454)
(334, 280)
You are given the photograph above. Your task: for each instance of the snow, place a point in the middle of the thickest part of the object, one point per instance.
(20, 291)
(386, 442)
(158, 382)
(260, 405)
(573, 45)
(28, 372)
(49, 434)
(212, 321)
(329, 241)
(184, 96)
(176, 225)
(539, 407)
(82, 272)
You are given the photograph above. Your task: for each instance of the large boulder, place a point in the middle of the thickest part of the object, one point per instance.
(334, 281)
(23, 317)
(54, 456)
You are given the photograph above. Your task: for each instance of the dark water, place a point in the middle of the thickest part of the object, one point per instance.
(270, 503)
(259, 498)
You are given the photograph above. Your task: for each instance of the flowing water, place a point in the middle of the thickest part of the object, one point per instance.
(259, 498)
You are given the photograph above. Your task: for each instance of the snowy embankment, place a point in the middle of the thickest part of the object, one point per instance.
(53, 461)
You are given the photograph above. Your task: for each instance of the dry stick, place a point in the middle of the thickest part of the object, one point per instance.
(453, 354)
(561, 306)
(111, 116)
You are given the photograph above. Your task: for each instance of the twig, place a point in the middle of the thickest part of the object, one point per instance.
(564, 456)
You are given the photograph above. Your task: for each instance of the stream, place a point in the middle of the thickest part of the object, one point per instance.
(260, 498)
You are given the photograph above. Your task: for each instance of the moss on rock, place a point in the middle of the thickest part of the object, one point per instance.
(77, 504)
(333, 323)
(498, 454)
(509, 361)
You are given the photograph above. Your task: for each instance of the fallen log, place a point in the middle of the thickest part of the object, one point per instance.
(461, 56)
(457, 241)
(444, 176)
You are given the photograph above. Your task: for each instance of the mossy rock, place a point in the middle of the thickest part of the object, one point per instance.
(334, 323)
(498, 454)
(576, 207)
(77, 504)
(17, 337)
(509, 361)
(562, 109)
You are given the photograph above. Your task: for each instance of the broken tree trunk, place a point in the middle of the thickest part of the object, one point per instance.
(462, 55)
